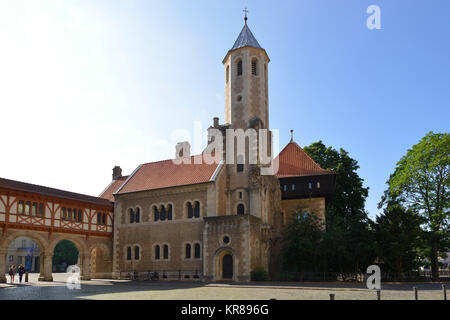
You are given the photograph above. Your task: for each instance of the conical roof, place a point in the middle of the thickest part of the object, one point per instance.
(246, 38)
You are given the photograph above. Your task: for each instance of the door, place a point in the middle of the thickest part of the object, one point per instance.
(227, 267)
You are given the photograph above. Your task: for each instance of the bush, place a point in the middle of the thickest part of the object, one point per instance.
(259, 274)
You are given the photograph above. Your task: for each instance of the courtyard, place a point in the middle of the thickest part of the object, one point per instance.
(102, 289)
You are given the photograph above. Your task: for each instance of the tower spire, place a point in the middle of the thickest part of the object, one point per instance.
(245, 17)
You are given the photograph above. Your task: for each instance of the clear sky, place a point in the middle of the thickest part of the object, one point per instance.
(87, 85)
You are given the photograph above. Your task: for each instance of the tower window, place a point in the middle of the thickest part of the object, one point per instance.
(128, 253)
(239, 68)
(240, 163)
(228, 74)
(254, 67)
(240, 209)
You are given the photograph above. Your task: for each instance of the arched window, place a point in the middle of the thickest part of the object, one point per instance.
(228, 74)
(197, 251)
(162, 214)
(240, 209)
(99, 218)
(104, 219)
(190, 210)
(240, 164)
(138, 215)
(155, 213)
(157, 252)
(128, 253)
(254, 67)
(169, 212)
(197, 209)
(166, 252)
(136, 253)
(63, 210)
(131, 216)
(188, 251)
(239, 68)
(34, 209)
(41, 210)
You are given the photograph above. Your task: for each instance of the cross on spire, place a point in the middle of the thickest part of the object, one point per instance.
(245, 17)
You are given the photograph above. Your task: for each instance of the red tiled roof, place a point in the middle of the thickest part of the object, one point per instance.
(27, 187)
(294, 162)
(112, 188)
(166, 173)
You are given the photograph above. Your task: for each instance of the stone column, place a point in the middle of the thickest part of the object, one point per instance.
(46, 267)
(85, 266)
(3, 254)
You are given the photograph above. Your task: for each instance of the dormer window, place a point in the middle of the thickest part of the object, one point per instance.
(239, 68)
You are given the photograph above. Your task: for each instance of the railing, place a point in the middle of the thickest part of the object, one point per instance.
(186, 275)
(444, 275)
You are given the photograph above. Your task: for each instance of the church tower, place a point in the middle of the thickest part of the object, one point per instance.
(246, 82)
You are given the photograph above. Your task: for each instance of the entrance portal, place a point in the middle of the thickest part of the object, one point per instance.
(227, 267)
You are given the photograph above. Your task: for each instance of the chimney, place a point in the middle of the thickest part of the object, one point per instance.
(182, 149)
(117, 173)
(215, 122)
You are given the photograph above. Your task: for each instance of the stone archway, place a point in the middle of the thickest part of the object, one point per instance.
(83, 256)
(101, 261)
(225, 265)
(14, 234)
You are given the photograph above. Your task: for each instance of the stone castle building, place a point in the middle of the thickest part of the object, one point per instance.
(216, 221)
(185, 218)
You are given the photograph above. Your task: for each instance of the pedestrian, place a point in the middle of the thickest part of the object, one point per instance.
(12, 272)
(21, 271)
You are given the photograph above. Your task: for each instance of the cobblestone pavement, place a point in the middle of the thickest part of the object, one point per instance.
(164, 290)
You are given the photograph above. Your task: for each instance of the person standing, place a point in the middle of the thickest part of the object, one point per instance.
(21, 271)
(12, 271)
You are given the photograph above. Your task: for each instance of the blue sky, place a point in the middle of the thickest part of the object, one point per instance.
(87, 85)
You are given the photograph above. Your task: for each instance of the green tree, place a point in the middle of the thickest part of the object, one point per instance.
(421, 181)
(302, 242)
(398, 238)
(65, 252)
(349, 238)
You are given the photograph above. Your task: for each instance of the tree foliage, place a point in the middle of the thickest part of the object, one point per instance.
(398, 239)
(65, 252)
(421, 181)
(348, 242)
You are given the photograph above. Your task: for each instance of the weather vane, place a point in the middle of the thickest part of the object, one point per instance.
(245, 12)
